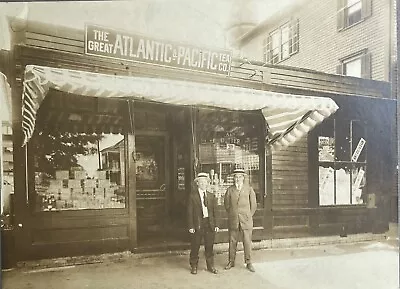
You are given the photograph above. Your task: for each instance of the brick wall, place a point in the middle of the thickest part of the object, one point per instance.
(321, 45)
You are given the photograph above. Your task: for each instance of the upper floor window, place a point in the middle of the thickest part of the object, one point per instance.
(282, 42)
(351, 12)
(357, 65)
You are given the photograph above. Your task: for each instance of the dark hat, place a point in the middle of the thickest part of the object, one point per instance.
(239, 171)
(201, 175)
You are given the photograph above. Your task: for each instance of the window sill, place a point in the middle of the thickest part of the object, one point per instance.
(282, 60)
(349, 206)
(352, 25)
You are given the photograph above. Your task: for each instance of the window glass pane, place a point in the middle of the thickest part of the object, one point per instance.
(343, 172)
(352, 2)
(359, 145)
(358, 190)
(275, 40)
(326, 185)
(275, 55)
(326, 142)
(353, 68)
(78, 171)
(228, 140)
(285, 50)
(353, 12)
(285, 33)
(342, 136)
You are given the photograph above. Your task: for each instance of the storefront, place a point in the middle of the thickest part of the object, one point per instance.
(109, 147)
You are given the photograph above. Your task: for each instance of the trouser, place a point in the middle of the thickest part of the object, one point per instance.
(246, 235)
(208, 234)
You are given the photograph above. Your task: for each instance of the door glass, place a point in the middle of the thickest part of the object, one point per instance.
(150, 183)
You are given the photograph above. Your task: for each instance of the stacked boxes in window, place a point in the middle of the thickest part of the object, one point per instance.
(101, 175)
(58, 191)
(62, 175)
(207, 152)
(103, 192)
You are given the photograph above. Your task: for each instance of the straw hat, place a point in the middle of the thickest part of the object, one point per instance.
(239, 172)
(202, 175)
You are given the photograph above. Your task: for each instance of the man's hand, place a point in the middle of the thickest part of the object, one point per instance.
(216, 229)
(191, 231)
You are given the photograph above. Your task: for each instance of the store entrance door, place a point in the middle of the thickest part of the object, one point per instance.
(152, 187)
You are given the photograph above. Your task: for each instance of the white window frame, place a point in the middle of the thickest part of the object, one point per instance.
(365, 58)
(344, 11)
(291, 45)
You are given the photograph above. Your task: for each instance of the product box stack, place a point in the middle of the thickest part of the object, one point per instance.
(251, 162)
(79, 192)
(224, 154)
(237, 155)
(207, 152)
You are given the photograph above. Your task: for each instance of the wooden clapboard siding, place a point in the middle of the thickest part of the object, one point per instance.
(289, 77)
(290, 176)
(62, 39)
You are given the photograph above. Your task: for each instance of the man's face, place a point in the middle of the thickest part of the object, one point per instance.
(239, 179)
(202, 183)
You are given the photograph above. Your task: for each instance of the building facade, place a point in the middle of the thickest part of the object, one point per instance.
(345, 37)
(166, 124)
(349, 37)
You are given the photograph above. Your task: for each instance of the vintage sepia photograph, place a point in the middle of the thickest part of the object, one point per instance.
(199, 144)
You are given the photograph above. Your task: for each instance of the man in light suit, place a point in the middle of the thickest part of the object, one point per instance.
(240, 204)
(202, 223)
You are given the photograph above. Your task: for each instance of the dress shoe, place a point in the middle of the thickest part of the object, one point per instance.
(212, 270)
(229, 265)
(250, 267)
(193, 270)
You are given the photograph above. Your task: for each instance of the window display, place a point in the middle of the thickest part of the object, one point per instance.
(228, 140)
(342, 175)
(76, 171)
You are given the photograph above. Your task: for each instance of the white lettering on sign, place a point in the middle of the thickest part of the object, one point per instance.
(358, 150)
(121, 45)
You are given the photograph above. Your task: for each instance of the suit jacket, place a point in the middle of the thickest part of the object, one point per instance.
(240, 206)
(195, 212)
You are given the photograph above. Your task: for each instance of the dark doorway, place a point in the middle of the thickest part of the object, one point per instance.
(163, 178)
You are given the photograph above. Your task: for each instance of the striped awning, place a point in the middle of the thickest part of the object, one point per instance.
(5, 99)
(288, 117)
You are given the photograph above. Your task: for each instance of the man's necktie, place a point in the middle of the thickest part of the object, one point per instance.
(204, 199)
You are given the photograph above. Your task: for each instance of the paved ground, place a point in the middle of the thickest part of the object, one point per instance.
(362, 265)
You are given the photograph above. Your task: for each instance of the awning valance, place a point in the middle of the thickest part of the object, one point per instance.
(288, 117)
(5, 99)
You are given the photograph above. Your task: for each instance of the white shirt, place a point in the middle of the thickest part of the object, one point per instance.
(204, 208)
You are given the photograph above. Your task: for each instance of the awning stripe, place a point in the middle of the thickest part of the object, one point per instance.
(287, 116)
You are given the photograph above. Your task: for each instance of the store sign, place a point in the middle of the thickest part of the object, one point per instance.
(106, 42)
(358, 150)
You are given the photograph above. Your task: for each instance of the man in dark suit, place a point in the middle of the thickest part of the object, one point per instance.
(202, 223)
(240, 204)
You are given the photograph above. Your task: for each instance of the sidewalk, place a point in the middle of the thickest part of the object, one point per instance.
(365, 265)
(218, 248)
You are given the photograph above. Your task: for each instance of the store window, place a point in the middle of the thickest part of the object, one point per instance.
(342, 159)
(351, 12)
(282, 42)
(76, 171)
(229, 140)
